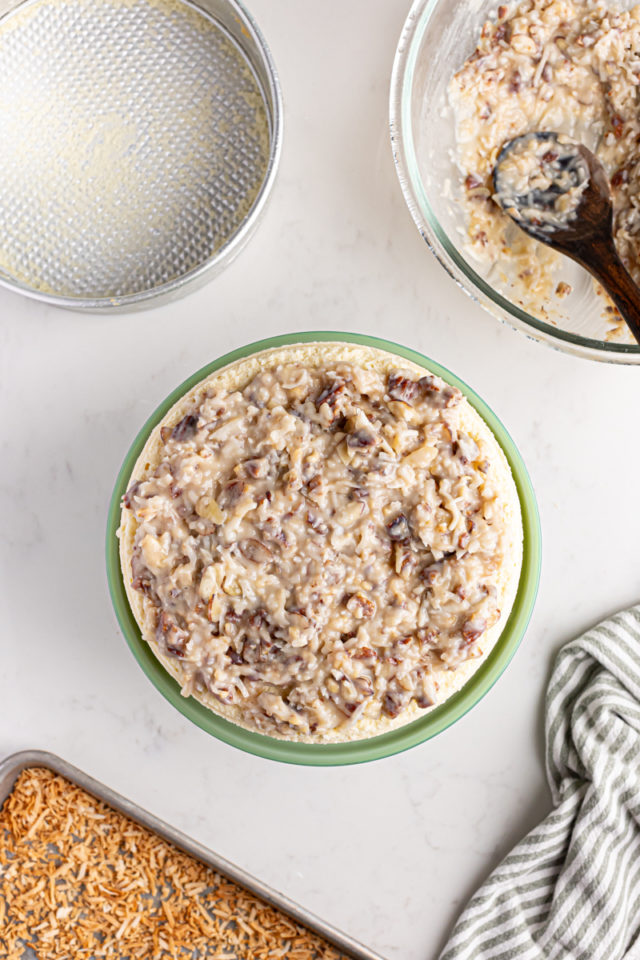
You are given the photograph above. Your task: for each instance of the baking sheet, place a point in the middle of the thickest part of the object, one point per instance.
(12, 767)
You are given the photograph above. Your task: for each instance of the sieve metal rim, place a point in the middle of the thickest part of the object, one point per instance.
(234, 19)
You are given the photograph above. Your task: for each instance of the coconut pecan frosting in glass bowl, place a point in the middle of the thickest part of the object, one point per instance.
(321, 542)
(568, 66)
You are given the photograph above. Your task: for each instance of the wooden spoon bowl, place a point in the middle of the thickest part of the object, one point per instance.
(585, 233)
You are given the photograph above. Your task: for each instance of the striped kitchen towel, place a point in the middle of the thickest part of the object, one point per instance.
(571, 889)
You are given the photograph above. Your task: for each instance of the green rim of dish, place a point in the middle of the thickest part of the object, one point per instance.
(387, 744)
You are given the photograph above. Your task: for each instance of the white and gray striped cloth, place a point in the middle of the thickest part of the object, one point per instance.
(571, 889)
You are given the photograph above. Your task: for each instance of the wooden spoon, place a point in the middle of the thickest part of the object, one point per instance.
(557, 191)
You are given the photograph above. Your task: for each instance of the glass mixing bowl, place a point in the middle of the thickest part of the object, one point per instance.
(436, 39)
(387, 744)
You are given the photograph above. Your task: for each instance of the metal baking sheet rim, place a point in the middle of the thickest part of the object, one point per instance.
(240, 20)
(11, 767)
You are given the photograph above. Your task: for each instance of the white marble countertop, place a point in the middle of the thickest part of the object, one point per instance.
(388, 851)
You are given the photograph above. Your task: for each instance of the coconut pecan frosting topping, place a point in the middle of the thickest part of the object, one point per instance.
(322, 545)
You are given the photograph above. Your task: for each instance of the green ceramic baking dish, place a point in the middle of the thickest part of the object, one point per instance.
(386, 744)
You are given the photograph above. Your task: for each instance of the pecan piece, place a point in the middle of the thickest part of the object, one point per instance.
(256, 651)
(257, 468)
(424, 700)
(563, 288)
(427, 635)
(232, 493)
(343, 693)
(171, 636)
(255, 551)
(258, 619)
(364, 653)
(314, 483)
(130, 494)
(403, 641)
(142, 585)
(186, 429)
(361, 607)
(620, 176)
(316, 525)
(364, 686)
(404, 558)
(360, 439)
(443, 396)
(399, 529)
(392, 705)
(617, 125)
(402, 388)
(175, 651)
(473, 181)
(503, 32)
(348, 707)
(473, 630)
(331, 394)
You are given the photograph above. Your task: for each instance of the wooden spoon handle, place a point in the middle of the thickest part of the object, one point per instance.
(605, 264)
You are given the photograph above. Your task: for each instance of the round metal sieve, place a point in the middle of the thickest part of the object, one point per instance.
(138, 142)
